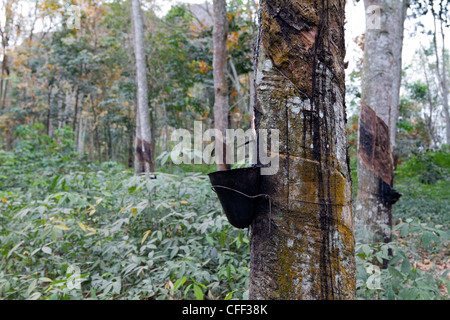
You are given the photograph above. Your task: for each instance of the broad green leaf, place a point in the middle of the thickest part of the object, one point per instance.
(210, 240)
(31, 288)
(35, 296)
(187, 289)
(366, 249)
(395, 273)
(107, 193)
(406, 266)
(47, 250)
(179, 283)
(198, 292)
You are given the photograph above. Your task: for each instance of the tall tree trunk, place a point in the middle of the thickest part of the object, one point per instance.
(91, 143)
(4, 81)
(4, 100)
(75, 112)
(397, 49)
(97, 136)
(8, 136)
(143, 138)
(444, 85)
(139, 165)
(49, 115)
(220, 35)
(82, 133)
(379, 112)
(130, 149)
(430, 98)
(441, 72)
(302, 244)
(59, 112)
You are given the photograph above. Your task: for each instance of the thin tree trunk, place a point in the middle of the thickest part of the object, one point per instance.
(69, 102)
(302, 243)
(220, 35)
(91, 144)
(237, 84)
(444, 86)
(4, 79)
(397, 50)
(143, 143)
(8, 137)
(110, 142)
(379, 105)
(82, 134)
(58, 111)
(430, 99)
(139, 165)
(130, 158)
(97, 137)
(75, 112)
(152, 135)
(49, 115)
(4, 100)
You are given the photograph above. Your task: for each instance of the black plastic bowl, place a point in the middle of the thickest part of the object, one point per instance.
(237, 190)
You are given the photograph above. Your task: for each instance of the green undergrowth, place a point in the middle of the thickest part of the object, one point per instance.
(415, 265)
(70, 229)
(424, 181)
(71, 232)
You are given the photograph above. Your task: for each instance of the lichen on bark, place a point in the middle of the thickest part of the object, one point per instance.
(303, 248)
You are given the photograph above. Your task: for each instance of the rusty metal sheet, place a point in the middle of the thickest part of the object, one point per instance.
(374, 144)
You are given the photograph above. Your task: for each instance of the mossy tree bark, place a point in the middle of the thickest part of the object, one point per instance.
(381, 78)
(302, 245)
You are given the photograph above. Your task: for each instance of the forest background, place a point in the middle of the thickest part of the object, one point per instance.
(76, 222)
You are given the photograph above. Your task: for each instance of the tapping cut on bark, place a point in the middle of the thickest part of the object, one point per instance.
(374, 144)
(289, 31)
(144, 151)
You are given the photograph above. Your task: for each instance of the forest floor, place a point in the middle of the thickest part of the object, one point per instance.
(122, 236)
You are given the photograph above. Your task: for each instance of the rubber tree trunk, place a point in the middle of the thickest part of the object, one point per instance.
(443, 78)
(398, 29)
(220, 34)
(381, 77)
(302, 243)
(144, 148)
